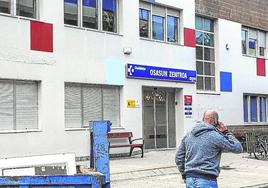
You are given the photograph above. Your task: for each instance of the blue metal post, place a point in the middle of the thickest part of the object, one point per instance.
(99, 155)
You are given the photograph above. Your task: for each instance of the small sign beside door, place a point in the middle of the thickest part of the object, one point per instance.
(133, 103)
(188, 110)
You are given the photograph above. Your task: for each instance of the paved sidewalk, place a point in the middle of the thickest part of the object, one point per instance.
(157, 169)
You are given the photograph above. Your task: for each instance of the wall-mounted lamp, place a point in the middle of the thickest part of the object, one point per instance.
(227, 46)
(127, 50)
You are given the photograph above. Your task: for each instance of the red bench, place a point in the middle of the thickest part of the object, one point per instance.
(127, 135)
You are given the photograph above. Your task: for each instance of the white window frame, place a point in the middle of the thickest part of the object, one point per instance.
(248, 98)
(99, 24)
(244, 28)
(13, 10)
(168, 12)
(203, 46)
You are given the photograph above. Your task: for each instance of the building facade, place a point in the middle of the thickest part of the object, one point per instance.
(150, 66)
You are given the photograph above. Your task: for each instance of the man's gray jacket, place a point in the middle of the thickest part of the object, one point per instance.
(200, 150)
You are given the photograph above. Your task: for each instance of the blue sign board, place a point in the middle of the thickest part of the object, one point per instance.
(160, 73)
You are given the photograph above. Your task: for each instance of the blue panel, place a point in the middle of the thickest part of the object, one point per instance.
(114, 72)
(158, 27)
(226, 81)
(253, 109)
(89, 3)
(245, 107)
(144, 14)
(70, 1)
(109, 5)
(262, 109)
(251, 44)
(160, 73)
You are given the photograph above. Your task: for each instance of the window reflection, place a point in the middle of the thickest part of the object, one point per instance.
(5, 6)
(109, 15)
(172, 29)
(70, 12)
(90, 14)
(144, 23)
(158, 27)
(26, 8)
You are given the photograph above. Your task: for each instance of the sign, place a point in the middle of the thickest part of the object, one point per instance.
(188, 110)
(160, 73)
(188, 99)
(132, 104)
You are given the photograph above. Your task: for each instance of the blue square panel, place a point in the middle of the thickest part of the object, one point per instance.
(226, 81)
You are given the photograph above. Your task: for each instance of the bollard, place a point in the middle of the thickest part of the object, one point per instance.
(99, 155)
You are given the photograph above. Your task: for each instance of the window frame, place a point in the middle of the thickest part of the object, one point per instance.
(204, 61)
(13, 10)
(99, 19)
(82, 103)
(259, 112)
(15, 84)
(257, 45)
(167, 11)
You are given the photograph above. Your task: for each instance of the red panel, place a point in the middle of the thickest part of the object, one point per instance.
(41, 36)
(261, 69)
(189, 37)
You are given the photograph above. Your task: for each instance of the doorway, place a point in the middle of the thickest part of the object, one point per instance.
(159, 118)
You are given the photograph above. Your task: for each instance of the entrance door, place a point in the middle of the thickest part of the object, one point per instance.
(159, 118)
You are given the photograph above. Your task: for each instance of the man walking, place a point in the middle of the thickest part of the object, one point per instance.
(198, 156)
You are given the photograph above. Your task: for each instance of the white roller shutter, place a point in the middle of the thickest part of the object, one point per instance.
(6, 105)
(26, 105)
(92, 105)
(73, 106)
(111, 105)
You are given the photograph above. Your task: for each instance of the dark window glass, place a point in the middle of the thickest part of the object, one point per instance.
(5, 6)
(209, 54)
(209, 83)
(199, 67)
(200, 83)
(244, 41)
(26, 8)
(199, 23)
(209, 69)
(208, 25)
(172, 29)
(90, 14)
(199, 37)
(109, 9)
(158, 28)
(199, 53)
(70, 12)
(252, 47)
(245, 105)
(262, 109)
(208, 39)
(144, 23)
(253, 109)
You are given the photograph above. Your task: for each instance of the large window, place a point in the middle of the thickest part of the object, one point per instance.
(205, 54)
(255, 108)
(159, 23)
(25, 8)
(18, 105)
(84, 103)
(253, 42)
(94, 14)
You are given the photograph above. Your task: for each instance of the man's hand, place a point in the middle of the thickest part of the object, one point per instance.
(221, 127)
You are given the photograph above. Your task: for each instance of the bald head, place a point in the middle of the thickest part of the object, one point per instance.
(210, 117)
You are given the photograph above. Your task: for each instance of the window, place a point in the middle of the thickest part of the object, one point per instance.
(25, 8)
(158, 22)
(84, 103)
(144, 23)
(253, 42)
(18, 105)
(255, 108)
(205, 54)
(94, 14)
(5, 6)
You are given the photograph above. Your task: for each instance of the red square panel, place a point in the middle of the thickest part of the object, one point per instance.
(261, 69)
(41, 36)
(189, 37)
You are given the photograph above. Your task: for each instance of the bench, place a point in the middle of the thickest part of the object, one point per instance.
(126, 135)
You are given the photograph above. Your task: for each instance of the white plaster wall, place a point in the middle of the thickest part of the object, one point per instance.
(79, 56)
(244, 75)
